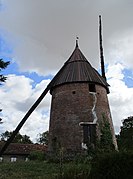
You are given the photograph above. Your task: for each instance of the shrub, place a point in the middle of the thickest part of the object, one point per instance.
(113, 166)
(37, 155)
(75, 171)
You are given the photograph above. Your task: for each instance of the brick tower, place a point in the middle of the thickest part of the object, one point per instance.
(79, 106)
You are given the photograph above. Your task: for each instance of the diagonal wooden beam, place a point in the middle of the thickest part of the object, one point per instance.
(33, 107)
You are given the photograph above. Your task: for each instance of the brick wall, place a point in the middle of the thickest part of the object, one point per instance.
(71, 104)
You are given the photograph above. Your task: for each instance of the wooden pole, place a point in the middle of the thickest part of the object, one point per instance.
(101, 49)
(33, 107)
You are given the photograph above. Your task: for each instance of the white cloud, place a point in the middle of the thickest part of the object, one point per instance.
(115, 71)
(16, 98)
(120, 97)
(120, 48)
(42, 32)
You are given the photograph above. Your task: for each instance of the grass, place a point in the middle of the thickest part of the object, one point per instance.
(43, 170)
(26, 170)
(115, 165)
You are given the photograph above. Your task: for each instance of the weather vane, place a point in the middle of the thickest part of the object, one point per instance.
(77, 39)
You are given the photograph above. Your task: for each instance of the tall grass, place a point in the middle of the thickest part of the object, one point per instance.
(102, 166)
(28, 170)
(43, 170)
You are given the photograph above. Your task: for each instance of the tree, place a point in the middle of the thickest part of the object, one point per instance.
(125, 139)
(106, 141)
(3, 65)
(0, 118)
(43, 138)
(1, 121)
(23, 139)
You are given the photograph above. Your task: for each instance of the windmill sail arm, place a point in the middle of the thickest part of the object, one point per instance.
(101, 48)
(33, 107)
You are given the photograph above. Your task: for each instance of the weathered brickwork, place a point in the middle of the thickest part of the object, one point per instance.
(72, 104)
(102, 108)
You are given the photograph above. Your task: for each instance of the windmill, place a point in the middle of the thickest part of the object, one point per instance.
(79, 97)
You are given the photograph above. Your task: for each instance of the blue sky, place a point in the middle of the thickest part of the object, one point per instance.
(37, 37)
(128, 77)
(6, 53)
(13, 68)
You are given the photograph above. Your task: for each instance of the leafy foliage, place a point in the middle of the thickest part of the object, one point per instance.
(125, 139)
(112, 166)
(0, 118)
(23, 139)
(115, 165)
(37, 155)
(106, 141)
(3, 65)
(43, 138)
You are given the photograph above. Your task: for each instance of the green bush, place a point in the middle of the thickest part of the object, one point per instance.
(112, 166)
(117, 165)
(37, 155)
(75, 171)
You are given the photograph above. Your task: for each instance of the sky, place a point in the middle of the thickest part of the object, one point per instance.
(37, 37)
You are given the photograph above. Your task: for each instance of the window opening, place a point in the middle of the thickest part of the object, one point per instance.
(1, 159)
(13, 159)
(73, 92)
(92, 88)
(89, 133)
(26, 159)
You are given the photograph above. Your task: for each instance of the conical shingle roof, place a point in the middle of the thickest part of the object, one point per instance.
(78, 69)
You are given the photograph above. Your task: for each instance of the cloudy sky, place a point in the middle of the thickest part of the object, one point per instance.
(38, 36)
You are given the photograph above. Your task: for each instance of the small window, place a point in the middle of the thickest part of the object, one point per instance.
(26, 159)
(73, 92)
(1, 159)
(92, 88)
(13, 159)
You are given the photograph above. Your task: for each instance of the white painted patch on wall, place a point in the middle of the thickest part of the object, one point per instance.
(94, 107)
(84, 146)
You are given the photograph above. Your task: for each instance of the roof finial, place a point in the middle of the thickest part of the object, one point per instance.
(77, 38)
